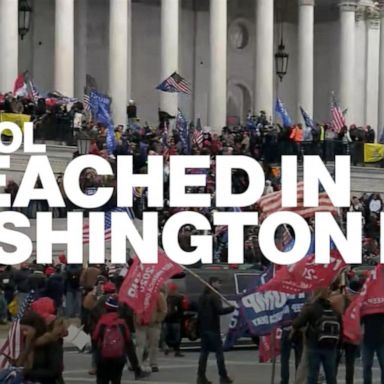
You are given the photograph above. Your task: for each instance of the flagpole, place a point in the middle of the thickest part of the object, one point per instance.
(194, 274)
(273, 356)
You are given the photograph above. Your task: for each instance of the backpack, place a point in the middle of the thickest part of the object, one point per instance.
(328, 328)
(112, 345)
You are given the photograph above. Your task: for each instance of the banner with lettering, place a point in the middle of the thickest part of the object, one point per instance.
(269, 342)
(265, 311)
(306, 275)
(238, 327)
(141, 287)
(374, 299)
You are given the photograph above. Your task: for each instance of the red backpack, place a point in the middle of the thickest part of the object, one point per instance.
(112, 341)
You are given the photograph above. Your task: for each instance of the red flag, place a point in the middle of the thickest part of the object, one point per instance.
(369, 301)
(141, 287)
(265, 346)
(305, 275)
(20, 86)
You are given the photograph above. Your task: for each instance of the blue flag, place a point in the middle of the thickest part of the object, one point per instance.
(182, 128)
(238, 326)
(100, 106)
(307, 119)
(281, 110)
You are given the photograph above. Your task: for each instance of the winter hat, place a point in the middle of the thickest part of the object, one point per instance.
(45, 307)
(50, 271)
(109, 287)
(112, 304)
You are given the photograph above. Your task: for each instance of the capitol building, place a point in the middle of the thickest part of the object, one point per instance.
(237, 55)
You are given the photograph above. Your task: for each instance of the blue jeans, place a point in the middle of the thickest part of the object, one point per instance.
(368, 356)
(73, 303)
(326, 357)
(286, 346)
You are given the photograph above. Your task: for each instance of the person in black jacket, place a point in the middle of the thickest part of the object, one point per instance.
(322, 337)
(210, 310)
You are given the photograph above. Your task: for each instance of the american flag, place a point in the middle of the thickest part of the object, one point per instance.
(197, 135)
(34, 92)
(14, 342)
(86, 105)
(107, 223)
(338, 119)
(271, 203)
(175, 84)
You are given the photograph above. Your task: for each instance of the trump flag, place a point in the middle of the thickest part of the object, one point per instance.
(141, 287)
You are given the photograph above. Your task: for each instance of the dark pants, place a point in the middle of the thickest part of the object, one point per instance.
(350, 358)
(368, 357)
(173, 335)
(326, 357)
(287, 344)
(211, 342)
(109, 371)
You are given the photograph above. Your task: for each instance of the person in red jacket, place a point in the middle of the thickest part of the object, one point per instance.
(114, 343)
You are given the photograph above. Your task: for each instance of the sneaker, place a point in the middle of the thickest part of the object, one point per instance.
(92, 372)
(226, 380)
(203, 380)
(141, 375)
(155, 369)
(178, 354)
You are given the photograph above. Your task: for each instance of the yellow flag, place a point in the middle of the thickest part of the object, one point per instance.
(373, 153)
(16, 118)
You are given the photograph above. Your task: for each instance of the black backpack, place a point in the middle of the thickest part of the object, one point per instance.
(328, 328)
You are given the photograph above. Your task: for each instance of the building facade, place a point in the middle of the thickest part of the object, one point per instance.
(224, 48)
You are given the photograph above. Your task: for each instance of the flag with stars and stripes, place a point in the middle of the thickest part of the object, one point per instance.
(86, 103)
(197, 136)
(175, 84)
(34, 93)
(107, 223)
(13, 345)
(337, 116)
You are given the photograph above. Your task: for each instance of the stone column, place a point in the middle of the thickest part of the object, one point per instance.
(372, 86)
(64, 47)
(81, 47)
(305, 36)
(169, 51)
(218, 69)
(381, 72)
(118, 59)
(9, 54)
(347, 58)
(264, 57)
(360, 67)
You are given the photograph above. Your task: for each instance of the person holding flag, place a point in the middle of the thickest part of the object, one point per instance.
(210, 310)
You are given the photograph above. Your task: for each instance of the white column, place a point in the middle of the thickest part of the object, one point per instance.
(306, 33)
(118, 59)
(9, 44)
(347, 58)
(381, 73)
(264, 57)
(81, 46)
(372, 86)
(64, 47)
(218, 69)
(360, 68)
(169, 51)
(129, 53)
